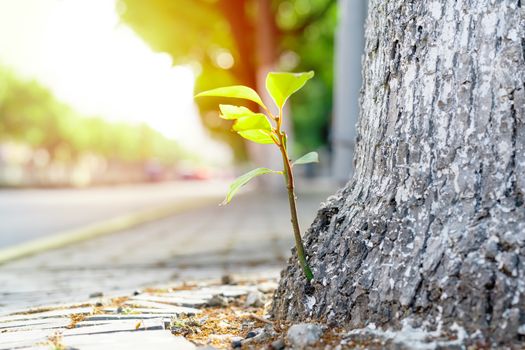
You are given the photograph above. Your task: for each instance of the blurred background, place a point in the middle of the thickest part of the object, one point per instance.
(99, 93)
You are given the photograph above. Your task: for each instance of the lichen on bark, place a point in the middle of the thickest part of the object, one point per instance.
(431, 228)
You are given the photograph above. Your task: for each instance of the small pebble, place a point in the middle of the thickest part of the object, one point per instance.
(251, 334)
(254, 299)
(99, 304)
(277, 345)
(96, 295)
(303, 334)
(218, 300)
(236, 344)
(137, 292)
(259, 335)
(227, 279)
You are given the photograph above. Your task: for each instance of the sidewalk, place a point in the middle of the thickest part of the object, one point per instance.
(206, 315)
(251, 235)
(124, 291)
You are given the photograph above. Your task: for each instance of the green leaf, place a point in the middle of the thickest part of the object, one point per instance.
(258, 136)
(252, 122)
(243, 180)
(234, 112)
(283, 85)
(311, 157)
(236, 91)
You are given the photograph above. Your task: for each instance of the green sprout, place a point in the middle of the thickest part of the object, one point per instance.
(266, 128)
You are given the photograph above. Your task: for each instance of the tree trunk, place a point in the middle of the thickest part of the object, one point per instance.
(431, 228)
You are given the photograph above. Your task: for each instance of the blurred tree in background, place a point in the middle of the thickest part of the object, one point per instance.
(31, 115)
(235, 41)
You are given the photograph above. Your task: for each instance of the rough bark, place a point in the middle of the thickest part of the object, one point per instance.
(431, 228)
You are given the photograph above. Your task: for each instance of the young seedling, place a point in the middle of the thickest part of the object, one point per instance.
(266, 128)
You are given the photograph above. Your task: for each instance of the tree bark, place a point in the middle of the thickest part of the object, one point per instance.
(431, 228)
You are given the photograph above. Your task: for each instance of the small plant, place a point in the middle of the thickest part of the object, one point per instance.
(266, 128)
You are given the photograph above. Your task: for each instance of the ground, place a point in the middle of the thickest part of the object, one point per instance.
(159, 286)
(224, 313)
(51, 291)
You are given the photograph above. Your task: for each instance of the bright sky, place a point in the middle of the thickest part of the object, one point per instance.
(91, 61)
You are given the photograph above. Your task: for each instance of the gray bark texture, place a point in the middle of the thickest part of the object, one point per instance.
(431, 228)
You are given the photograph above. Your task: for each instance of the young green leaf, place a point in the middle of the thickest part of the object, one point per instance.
(234, 112)
(252, 126)
(311, 157)
(244, 179)
(236, 91)
(252, 122)
(283, 85)
(258, 136)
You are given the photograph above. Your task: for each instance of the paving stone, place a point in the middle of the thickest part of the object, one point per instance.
(163, 319)
(47, 314)
(132, 316)
(229, 291)
(41, 308)
(45, 323)
(118, 326)
(165, 308)
(172, 300)
(12, 340)
(158, 340)
(194, 293)
(144, 310)
(100, 322)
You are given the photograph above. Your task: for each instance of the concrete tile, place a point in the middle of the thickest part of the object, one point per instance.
(161, 308)
(47, 314)
(118, 326)
(45, 323)
(12, 340)
(172, 300)
(112, 317)
(158, 340)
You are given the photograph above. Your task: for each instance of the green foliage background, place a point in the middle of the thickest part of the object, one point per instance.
(30, 114)
(194, 31)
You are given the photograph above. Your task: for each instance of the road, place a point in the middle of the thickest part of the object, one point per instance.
(35, 213)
